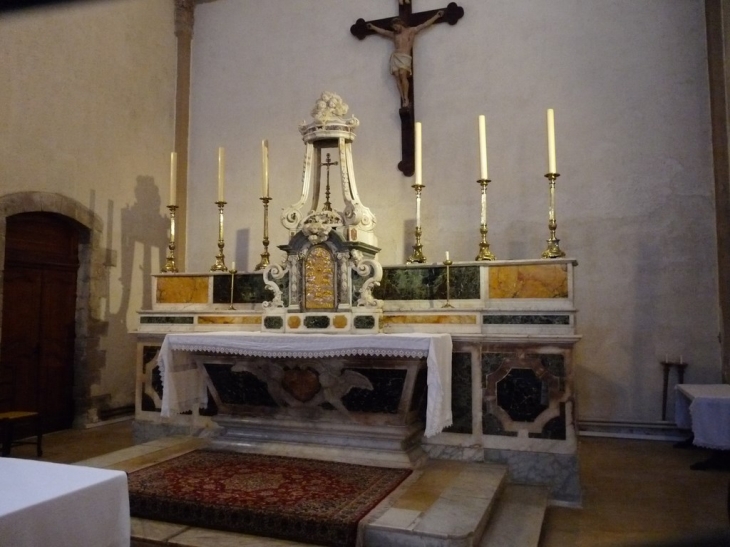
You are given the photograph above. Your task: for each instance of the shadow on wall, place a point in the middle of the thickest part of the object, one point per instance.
(144, 233)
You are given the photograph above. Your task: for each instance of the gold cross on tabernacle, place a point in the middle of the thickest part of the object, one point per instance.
(328, 164)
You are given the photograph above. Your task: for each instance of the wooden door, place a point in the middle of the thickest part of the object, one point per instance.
(39, 308)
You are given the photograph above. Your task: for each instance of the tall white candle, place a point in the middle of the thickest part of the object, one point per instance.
(265, 168)
(483, 148)
(551, 141)
(173, 178)
(418, 155)
(233, 265)
(221, 172)
(447, 255)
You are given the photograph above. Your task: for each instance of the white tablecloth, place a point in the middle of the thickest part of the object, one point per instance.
(54, 505)
(705, 409)
(183, 388)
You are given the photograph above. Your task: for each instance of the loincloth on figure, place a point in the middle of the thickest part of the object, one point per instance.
(400, 61)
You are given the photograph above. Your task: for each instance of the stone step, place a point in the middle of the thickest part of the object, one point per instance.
(517, 519)
(446, 506)
(445, 503)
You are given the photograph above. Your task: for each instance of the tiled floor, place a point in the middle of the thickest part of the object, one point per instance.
(635, 493)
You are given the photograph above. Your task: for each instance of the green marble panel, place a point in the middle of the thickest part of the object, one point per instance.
(526, 320)
(248, 288)
(316, 321)
(404, 283)
(166, 320)
(364, 322)
(274, 322)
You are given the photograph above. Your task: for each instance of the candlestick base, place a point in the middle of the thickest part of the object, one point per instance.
(484, 252)
(265, 261)
(553, 249)
(417, 257)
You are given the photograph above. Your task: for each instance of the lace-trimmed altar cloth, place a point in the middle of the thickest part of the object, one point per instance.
(183, 390)
(705, 409)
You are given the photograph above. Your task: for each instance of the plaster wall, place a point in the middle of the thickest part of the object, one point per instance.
(87, 109)
(629, 85)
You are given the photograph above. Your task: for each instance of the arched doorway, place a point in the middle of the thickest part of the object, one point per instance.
(39, 313)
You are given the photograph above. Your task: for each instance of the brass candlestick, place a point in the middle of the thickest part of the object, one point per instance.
(220, 258)
(484, 252)
(553, 249)
(448, 264)
(265, 255)
(417, 257)
(170, 266)
(233, 273)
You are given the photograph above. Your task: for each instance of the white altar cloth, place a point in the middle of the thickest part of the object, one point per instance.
(55, 505)
(705, 409)
(182, 388)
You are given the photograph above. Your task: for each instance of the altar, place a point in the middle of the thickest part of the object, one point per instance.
(329, 354)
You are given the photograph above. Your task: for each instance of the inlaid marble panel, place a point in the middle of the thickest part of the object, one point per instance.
(167, 320)
(529, 281)
(461, 398)
(180, 289)
(229, 320)
(504, 319)
(403, 283)
(429, 319)
(248, 288)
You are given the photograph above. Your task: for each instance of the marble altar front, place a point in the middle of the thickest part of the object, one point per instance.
(513, 327)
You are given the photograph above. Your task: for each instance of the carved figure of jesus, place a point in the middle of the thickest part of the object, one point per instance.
(401, 60)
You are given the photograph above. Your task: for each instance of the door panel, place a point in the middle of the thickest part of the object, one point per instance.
(39, 309)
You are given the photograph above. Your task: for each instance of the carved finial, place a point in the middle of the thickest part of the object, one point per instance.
(329, 119)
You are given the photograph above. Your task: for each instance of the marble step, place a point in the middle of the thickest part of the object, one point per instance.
(517, 519)
(447, 506)
(444, 504)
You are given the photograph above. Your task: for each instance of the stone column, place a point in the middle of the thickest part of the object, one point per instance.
(717, 14)
(184, 21)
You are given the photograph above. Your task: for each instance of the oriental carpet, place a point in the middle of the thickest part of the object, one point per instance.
(301, 500)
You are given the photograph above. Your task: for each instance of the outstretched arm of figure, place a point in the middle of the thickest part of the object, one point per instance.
(430, 22)
(378, 30)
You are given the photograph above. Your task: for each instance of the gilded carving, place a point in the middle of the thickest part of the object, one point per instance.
(319, 279)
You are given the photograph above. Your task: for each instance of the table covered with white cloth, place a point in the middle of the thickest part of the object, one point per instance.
(705, 409)
(56, 505)
(183, 388)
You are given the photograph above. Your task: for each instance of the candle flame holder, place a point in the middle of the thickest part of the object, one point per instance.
(170, 266)
(484, 252)
(448, 264)
(220, 258)
(553, 248)
(265, 255)
(417, 257)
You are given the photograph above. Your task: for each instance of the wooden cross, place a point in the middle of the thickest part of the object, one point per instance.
(451, 15)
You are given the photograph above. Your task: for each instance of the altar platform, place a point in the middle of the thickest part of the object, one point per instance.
(446, 503)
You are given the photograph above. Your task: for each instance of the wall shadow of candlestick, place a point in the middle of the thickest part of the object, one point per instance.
(239, 254)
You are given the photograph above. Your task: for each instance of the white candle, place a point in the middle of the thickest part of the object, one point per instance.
(419, 172)
(447, 256)
(265, 168)
(173, 178)
(233, 265)
(221, 172)
(483, 148)
(551, 141)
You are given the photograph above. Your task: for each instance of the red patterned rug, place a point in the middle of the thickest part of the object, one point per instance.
(287, 498)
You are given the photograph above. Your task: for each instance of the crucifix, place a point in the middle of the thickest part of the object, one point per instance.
(329, 163)
(402, 30)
